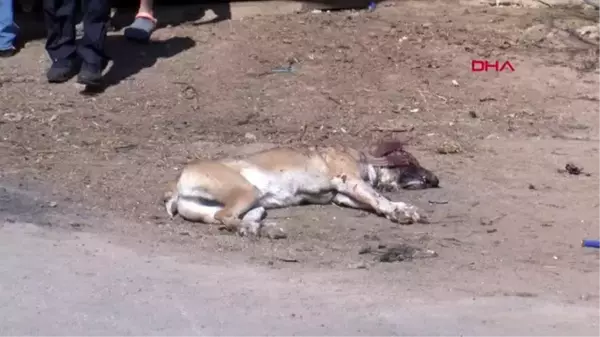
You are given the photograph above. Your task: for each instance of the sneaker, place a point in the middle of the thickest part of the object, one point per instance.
(8, 52)
(141, 29)
(91, 74)
(62, 71)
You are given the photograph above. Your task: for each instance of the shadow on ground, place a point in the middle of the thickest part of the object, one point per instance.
(131, 58)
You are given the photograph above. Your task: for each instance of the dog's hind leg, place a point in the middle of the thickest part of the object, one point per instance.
(189, 205)
(192, 209)
(170, 199)
(252, 224)
(239, 201)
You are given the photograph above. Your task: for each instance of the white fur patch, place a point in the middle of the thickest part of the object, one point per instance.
(371, 175)
(193, 210)
(281, 189)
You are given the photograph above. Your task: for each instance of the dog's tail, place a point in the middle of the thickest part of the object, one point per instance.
(170, 199)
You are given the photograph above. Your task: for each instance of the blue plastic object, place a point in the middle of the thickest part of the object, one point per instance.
(590, 243)
(371, 6)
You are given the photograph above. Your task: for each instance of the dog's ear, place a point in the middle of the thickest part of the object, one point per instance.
(390, 153)
(384, 148)
(399, 160)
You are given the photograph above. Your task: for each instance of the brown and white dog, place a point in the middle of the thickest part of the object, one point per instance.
(236, 192)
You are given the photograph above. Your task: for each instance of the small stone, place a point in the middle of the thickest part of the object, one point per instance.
(250, 136)
(12, 117)
(449, 148)
(274, 233)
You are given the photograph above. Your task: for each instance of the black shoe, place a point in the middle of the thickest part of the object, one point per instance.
(91, 74)
(62, 71)
(8, 52)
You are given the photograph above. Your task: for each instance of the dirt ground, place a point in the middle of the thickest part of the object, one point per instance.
(506, 222)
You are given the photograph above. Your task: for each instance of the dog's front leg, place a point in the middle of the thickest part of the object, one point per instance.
(361, 195)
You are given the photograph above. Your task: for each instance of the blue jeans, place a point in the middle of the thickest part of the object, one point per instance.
(8, 28)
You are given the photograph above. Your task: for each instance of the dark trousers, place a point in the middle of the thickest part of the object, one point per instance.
(61, 18)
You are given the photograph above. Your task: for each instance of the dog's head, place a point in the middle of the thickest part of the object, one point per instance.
(397, 168)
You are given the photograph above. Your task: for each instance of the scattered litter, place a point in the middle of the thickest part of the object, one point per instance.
(286, 259)
(590, 243)
(433, 202)
(573, 169)
(488, 222)
(398, 253)
(287, 69)
(520, 294)
(455, 83)
(187, 90)
(391, 129)
(316, 11)
(77, 225)
(405, 252)
(490, 231)
(125, 148)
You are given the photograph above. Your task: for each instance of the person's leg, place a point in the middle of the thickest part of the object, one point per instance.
(80, 11)
(91, 49)
(144, 24)
(8, 29)
(60, 43)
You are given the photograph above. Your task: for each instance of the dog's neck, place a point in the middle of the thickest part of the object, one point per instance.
(368, 172)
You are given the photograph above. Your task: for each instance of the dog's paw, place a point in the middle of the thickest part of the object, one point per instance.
(249, 229)
(272, 231)
(406, 214)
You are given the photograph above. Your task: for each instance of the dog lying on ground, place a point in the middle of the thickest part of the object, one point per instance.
(236, 192)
